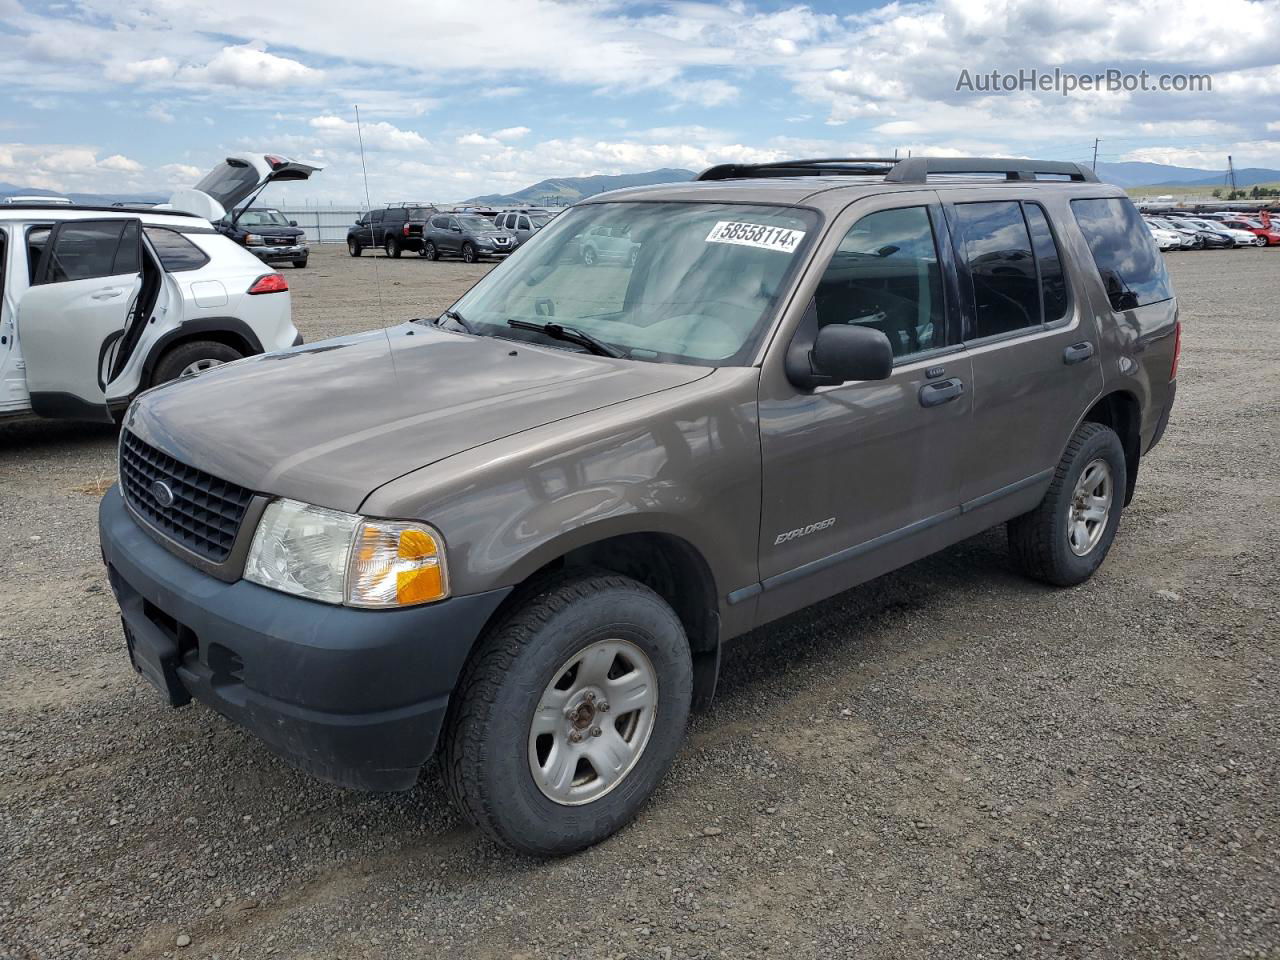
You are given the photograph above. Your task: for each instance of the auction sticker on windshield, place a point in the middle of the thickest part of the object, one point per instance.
(755, 235)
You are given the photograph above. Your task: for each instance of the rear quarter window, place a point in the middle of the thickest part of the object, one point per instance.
(1131, 267)
(176, 252)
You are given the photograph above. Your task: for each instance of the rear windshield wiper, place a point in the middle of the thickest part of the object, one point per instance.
(569, 335)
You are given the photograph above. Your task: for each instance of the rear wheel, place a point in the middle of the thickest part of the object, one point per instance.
(569, 714)
(1066, 538)
(192, 357)
(589, 256)
(354, 248)
(469, 253)
(300, 264)
(392, 246)
(429, 251)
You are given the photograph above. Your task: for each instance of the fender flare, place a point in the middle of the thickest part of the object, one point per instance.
(192, 328)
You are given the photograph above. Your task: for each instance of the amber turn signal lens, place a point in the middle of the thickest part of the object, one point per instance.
(396, 565)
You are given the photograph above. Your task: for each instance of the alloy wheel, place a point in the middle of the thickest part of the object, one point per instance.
(197, 366)
(1090, 507)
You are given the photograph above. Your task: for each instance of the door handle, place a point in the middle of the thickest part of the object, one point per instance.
(1077, 353)
(942, 391)
(108, 294)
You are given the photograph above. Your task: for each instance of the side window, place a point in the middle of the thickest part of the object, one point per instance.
(997, 248)
(1053, 283)
(1131, 267)
(399, 215)
(454, 224)
(886, 275)
(83, 251)
(37, 240)
(129, 253)
(375, 216)
(176, 252)
(440, 223)
(524, 223)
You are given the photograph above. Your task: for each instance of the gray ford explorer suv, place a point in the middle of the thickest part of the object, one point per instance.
(522, 532)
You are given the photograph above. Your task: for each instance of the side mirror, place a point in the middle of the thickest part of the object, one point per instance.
(839, 353)
(293, 223)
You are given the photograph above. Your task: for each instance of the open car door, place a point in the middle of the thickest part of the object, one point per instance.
(89, 294)
(234, 180)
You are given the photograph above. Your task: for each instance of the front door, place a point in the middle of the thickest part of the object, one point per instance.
(856, 475)
(86, 289)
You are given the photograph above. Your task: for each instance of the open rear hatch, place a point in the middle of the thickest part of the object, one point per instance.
(234, 180)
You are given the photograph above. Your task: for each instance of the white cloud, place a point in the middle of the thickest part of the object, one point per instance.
(251, 66)
(157, 111)
(377, 136)
(142, 71)
(119, 164)
(511, 133)
(476, 140)
(706, 93)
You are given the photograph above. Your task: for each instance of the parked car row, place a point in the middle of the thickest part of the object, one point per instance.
(471, 234)
(1212, 231)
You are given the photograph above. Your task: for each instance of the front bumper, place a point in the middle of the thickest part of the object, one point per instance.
(355, 697)
(270, 254)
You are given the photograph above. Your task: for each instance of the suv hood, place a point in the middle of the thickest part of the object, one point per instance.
(331, 422)
(234, 180)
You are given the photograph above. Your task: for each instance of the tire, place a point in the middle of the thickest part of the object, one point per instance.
(633, 256)
(469, 253)
(1041, 542)
(491, 745)
(194, 353)
(589, 256)
(430, 252)
(422, 250)
(392, 246)
(354, 248)
(300, 264)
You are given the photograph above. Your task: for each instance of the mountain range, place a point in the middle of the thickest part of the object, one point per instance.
(565, 190)
(562, 190)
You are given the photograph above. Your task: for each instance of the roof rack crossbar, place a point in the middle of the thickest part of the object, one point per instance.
(906, 170)
(919, 169)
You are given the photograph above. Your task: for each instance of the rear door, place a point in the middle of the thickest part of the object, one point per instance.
(86, 290)
(1029, 331)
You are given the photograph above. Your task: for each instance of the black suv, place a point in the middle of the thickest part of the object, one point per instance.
(394, 228)
(267, 234)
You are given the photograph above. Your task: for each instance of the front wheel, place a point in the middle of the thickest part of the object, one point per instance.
(469, 253)
(1066, 538)
(300, 264)
(589, 256)
(569, 714)
(354, 248)
(429, 251)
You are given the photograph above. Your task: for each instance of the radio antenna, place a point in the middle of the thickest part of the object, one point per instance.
(377, 279)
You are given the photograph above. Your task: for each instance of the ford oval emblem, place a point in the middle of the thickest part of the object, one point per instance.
(164, 496)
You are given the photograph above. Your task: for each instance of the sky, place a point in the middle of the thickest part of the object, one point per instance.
(463, 98)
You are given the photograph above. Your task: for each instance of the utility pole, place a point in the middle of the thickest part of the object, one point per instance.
(1096, 141)
(1231, 173)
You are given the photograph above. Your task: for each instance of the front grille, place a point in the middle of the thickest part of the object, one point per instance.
(279, 241)
(206, 512)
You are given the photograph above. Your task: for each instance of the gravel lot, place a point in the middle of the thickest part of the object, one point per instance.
(949, 762)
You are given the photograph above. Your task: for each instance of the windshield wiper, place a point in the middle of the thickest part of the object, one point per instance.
(569, 335)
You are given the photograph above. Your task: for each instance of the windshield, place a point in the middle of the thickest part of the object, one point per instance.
(476, 223)
(263, 218)
(680, 282)
(539, 221)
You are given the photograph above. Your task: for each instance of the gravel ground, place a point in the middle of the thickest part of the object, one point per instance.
(948, 762)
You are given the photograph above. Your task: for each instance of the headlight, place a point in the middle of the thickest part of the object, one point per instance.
(484, 242)
(341, 558)
(252, 240)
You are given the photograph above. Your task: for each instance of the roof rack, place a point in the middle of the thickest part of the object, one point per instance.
(839, 166)
(906, 170)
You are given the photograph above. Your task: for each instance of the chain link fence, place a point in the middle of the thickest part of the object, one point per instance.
(324, 224)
